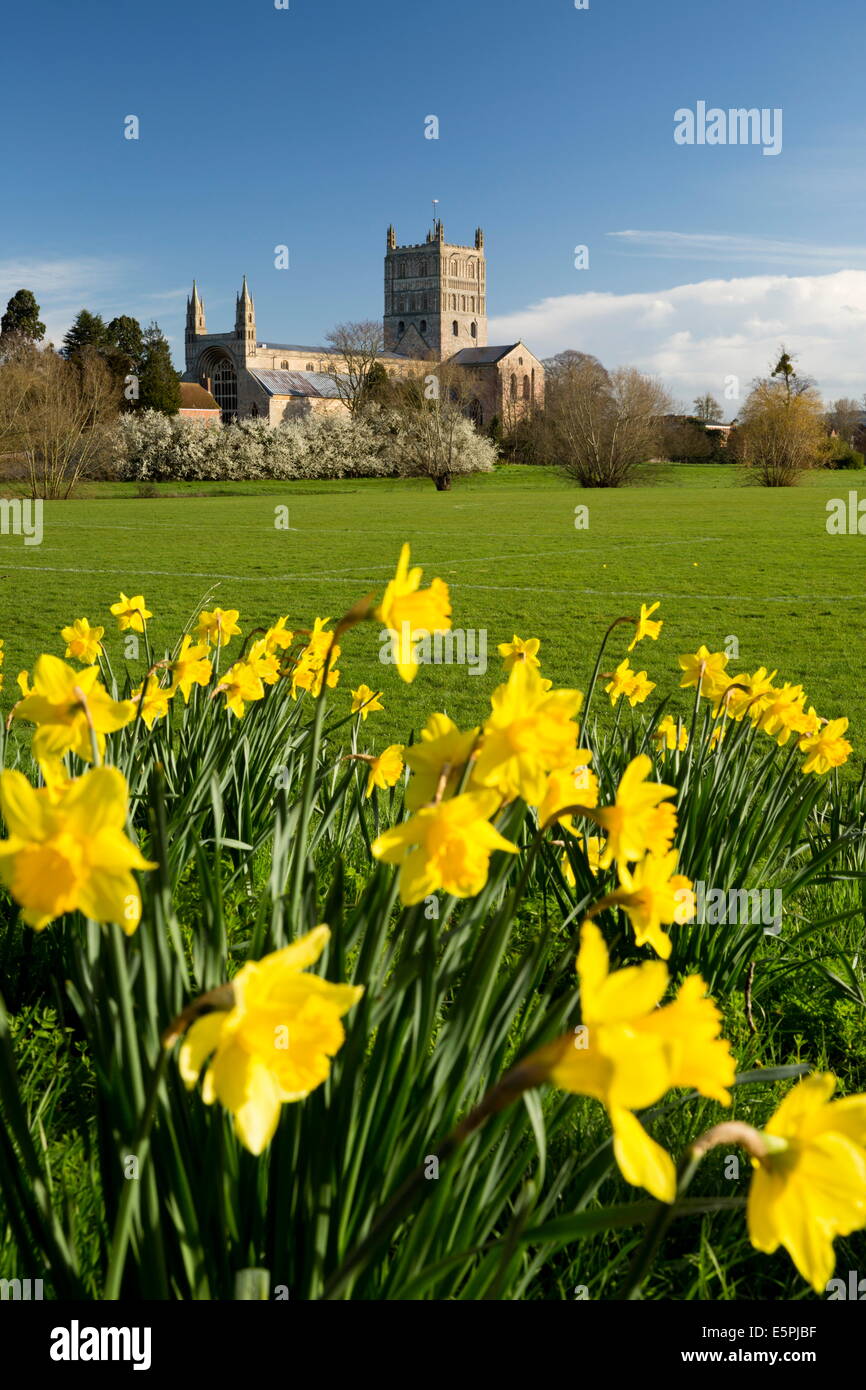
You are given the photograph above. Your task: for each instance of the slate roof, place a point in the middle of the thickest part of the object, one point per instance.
(482, 357)
(296, 383)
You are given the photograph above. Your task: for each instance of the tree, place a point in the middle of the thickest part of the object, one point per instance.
(793, 383)
(602, 425)
(358, 346)
(707, 408)
(780, 432)
(87, 331)
(21, 318)
(159, 383)
(60, 415)
(558, 368)
(124, 337)
(845, 417)
(435, 437)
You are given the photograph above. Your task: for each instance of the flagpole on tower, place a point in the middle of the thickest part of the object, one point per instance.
(435, 205)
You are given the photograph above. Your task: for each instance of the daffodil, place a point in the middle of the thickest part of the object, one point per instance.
(528, 734)
(241, 686)
(190, 667)
(670, 734)
(437, 761)
(82, 641)
(575, 786)
(746, 694)
(633, 824)
(407, 610)
(365, 701)
(386, 770)
(218, 627)
(645, 627)
(278, 637)
(653, 895)
(447, 845)
(67, 705)
(130, 613)
(274, 1044)
(592, 848)
(155, 703)
(620, 682)
(67, 849)
(826, 748)
(706, 671)
(629, 1053)
(783, 713)
(263, 661)
(811, 1185)
(519, 650)
(309, 669)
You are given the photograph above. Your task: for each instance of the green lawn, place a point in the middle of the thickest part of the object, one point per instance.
(723, 559)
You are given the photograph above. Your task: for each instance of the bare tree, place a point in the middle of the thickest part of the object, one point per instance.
(707, 408)
(845, 416)
(60, 415)
(601, 425)
(358, 347)
(780, 432)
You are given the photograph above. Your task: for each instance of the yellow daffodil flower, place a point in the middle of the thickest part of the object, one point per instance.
(437, 761)
(275, 1044)
(653, 895)
(645, 627)
(518, 650)
(386, 770)
(636, 822)
(67, 849)
(826, 748)
(218, 627)
(278, 637)
(629, 1053)
(309, 669)
(191, 667)
(447, 846)
(528, 734)
(577, 786)
(155, 703)
(671, 735)
(82, 641)
(706, 670)
(408, 610)
(130, 613)
(365, 701)
(242, 686)
(811, 1186)
(65, 704)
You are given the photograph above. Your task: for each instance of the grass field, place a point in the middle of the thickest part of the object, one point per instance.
(725, 560)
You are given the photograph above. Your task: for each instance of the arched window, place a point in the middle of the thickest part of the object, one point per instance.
(225, 389)
(476, 414)
(513, 387)
(284, 366)
(311, 366)
(526, 388)
(401, 327)
(254, 411)
(533, 383)
(463, 302)
(473, 329)
(455, 329)
(472, 303)
(453, 301)
(423, 325)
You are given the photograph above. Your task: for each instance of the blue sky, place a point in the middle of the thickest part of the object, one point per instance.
(305, 127)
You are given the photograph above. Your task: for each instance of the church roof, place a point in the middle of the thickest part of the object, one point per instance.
(296, 383)
(483, 356)
(195, 397)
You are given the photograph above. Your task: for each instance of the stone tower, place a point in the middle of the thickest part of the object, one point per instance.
(195, 324)
(245, 321)
(435, 296)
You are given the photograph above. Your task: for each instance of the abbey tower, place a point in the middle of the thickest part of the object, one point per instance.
(435, 296)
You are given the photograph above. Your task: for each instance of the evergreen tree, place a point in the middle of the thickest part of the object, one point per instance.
(22, 317)
(88, 331)
(159, 383)
(125, 338)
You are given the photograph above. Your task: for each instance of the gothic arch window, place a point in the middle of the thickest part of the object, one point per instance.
(454, 266)
(423, 325)
(284, 366)
(455, 329)
(453, 301)
(473, 329)
(533, 383)
(513, 387)
(476, 414)
(225, 389)
(254, 411)
(472, 303)
(401, 327)
(526, 388)
(311, 366)
(463, 302)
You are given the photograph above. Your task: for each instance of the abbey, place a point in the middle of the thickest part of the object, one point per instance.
(435, 312)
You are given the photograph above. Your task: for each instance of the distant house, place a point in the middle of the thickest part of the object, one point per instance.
(198, 404)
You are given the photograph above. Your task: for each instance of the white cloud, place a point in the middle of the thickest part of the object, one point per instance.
(694, 336)
(723, 246)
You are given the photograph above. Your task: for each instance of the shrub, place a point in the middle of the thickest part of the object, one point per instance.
(838, 453)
